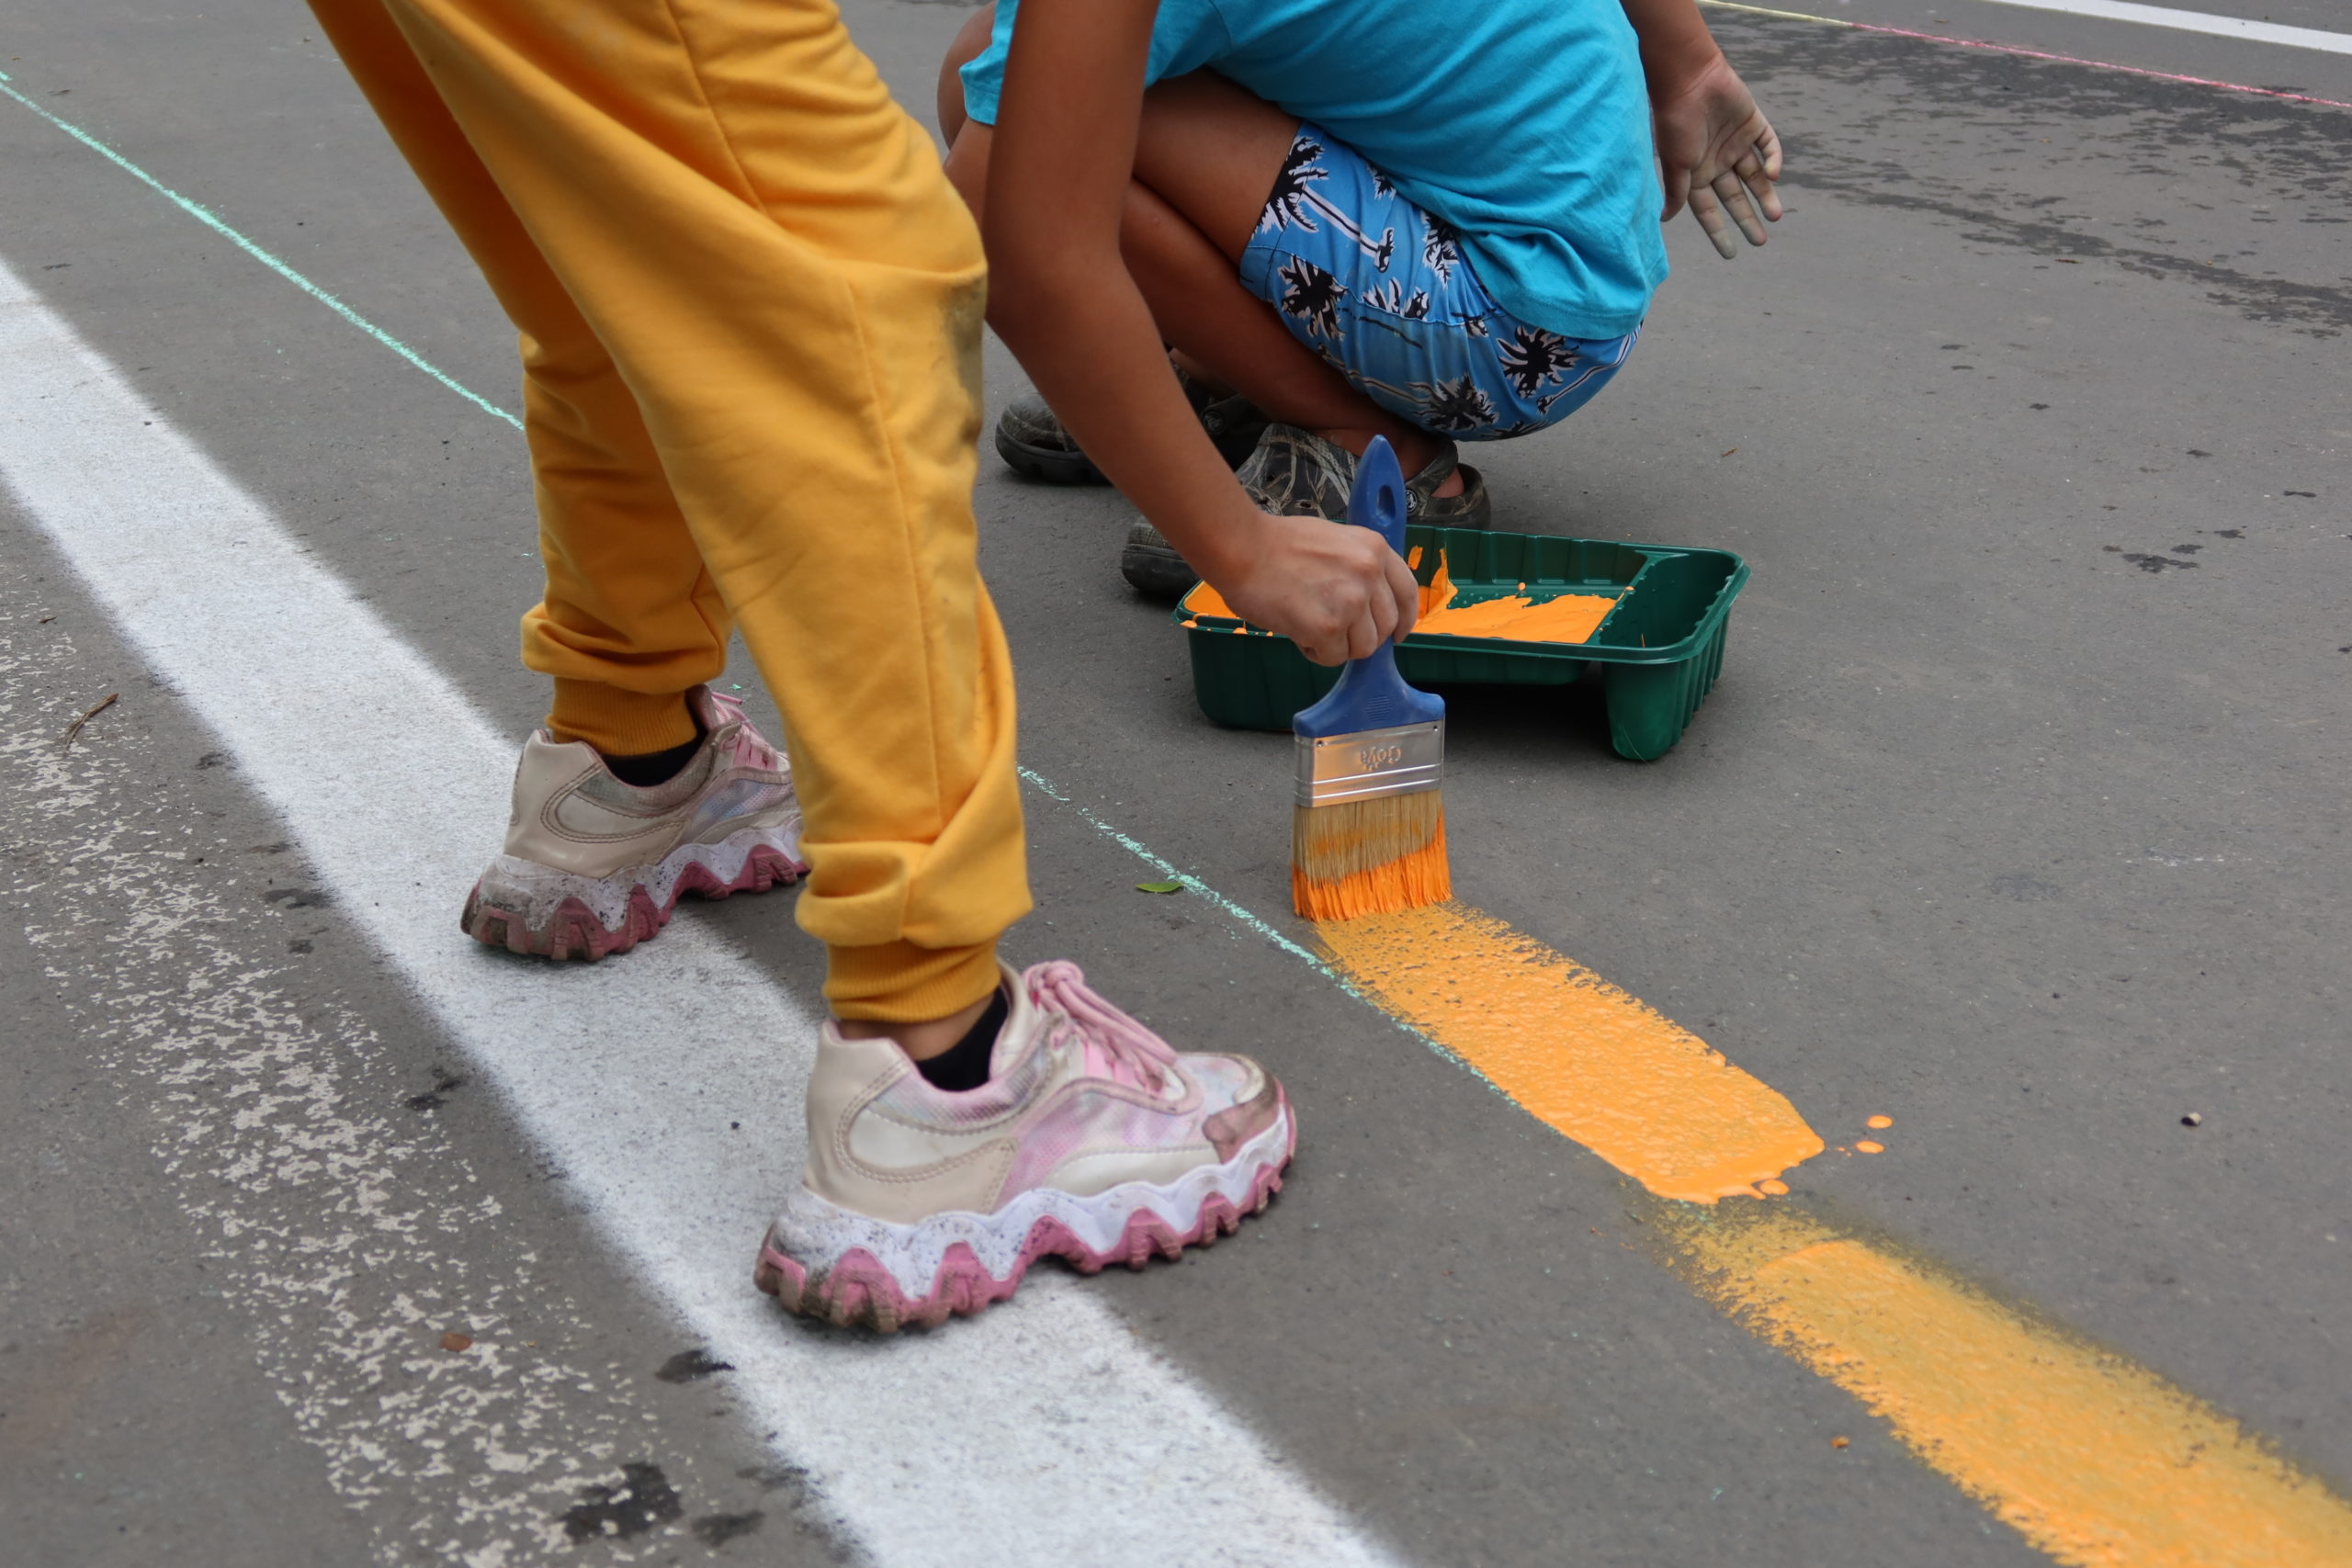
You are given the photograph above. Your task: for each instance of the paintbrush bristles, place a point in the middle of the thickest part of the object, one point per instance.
(1352, 836)
(1369, 857)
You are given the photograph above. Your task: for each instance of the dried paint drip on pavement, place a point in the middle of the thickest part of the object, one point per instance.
(1591, 1061)
(2094, 1460)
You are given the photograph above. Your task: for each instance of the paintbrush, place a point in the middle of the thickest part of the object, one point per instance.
(1367, 832)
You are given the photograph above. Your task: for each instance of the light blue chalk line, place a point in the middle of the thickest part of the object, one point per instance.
(1151, 858)
(1141, 851)
(1242, 917)
(211, 220)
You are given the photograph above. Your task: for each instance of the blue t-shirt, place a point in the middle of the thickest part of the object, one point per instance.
(1523, 123)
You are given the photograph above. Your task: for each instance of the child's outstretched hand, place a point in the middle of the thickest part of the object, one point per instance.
(1337, 592)
(1719, 155)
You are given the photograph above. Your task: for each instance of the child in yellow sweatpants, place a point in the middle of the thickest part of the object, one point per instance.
(749, 309)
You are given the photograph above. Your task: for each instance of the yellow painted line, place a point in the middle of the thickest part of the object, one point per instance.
(1583, 1056)
(2094, 1460)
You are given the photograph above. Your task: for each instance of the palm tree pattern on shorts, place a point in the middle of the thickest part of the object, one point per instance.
(1533, 357)
(1522, 373)
(1295, 199)
(1454, 406)
(1312, 294)
(1391, 296)
(1441, 246)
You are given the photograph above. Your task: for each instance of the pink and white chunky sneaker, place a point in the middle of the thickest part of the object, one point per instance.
(1094, 1141)
(595, 865)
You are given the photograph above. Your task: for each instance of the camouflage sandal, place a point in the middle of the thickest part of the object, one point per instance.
(1302, 474)
(1033, 442)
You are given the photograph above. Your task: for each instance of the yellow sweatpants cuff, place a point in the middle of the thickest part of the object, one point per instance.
(897, 982)
(619, 723)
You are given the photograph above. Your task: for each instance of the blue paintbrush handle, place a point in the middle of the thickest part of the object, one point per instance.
(1371, 694)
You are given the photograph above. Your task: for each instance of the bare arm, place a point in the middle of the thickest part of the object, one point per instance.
(1060, 296)
(1715, 148)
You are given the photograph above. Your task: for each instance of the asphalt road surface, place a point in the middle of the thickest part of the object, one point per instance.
(2016, 818)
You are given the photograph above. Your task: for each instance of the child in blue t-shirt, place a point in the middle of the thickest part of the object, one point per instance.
(1347, 218)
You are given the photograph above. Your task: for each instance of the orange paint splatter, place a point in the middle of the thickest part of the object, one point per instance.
(1596, 1065)
(2094, 1460)
(1879, 1121)
(1205, 599)
(1773, 1187)
(1438, 591)
(1870, 1146)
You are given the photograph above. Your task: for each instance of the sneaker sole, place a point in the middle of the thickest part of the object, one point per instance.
(524, 907)
(1055, 465)
(867, 1272)
(1156, 572)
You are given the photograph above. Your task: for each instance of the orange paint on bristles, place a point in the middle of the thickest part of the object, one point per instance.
(1325, 886)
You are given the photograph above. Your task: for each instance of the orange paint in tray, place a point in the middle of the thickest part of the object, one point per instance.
(1503, 609)
(1510, 617)
(1513, 617)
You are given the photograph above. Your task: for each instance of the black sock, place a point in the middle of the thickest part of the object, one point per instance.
(965, 1065)
(646, 769)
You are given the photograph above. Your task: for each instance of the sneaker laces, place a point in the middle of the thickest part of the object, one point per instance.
(734, 735)
(1116, 1046)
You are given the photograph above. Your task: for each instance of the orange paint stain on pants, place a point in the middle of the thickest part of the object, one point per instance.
(2093, 1459)
(1589, 1060)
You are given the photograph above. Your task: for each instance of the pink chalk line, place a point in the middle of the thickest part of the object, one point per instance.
(2031, 53)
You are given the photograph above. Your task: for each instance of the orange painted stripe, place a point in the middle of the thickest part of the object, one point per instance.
(1595, 1063)
(2094, 1460)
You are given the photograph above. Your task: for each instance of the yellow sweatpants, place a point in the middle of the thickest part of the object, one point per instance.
(749, 306)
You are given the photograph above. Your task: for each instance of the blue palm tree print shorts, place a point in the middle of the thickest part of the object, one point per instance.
(1382, 291)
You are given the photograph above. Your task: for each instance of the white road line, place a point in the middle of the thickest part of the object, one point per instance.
(2194, 22)
(1045, 1433)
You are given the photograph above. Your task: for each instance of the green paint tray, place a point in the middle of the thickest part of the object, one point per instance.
(1658, 648)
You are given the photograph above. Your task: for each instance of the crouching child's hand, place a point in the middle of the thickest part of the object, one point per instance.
(1338, 592)
(1715, 150)
(1718, 154)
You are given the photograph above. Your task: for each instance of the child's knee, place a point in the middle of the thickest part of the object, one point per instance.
(969, 43)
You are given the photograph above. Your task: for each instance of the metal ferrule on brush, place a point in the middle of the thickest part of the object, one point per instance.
(1369, 763)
